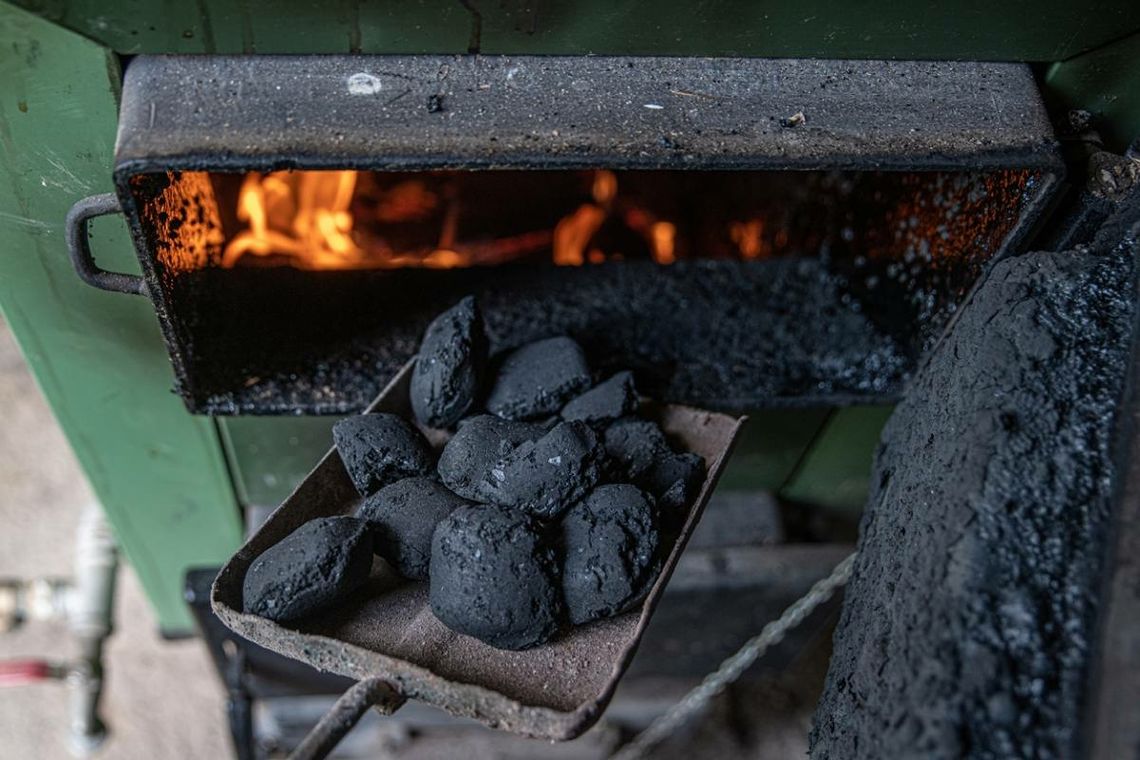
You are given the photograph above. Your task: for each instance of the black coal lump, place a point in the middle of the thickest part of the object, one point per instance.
(538, 378)
(674, 479)
(632, 446)
(445, 380)
(494, 576)
(608, 400)
(378, 449)
(313, 567)
(610, 544)
(546, 476)
(403, 517)
(479, 443)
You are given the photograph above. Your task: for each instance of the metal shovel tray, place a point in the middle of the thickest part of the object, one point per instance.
(386, 629)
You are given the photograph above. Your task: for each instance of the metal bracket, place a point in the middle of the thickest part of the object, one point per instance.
(80, 250)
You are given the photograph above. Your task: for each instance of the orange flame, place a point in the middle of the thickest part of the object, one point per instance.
(605, 186)
(749, 239)
(302, 215)
(306, 217)
(572, 234)
(662, 235)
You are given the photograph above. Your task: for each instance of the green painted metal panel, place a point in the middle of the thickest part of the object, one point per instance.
(263, 26)
(1029, 30)
(270, 456)
(98, 357)
(835, 473)
(769, 446)
(1033, 30)
(1105, 82)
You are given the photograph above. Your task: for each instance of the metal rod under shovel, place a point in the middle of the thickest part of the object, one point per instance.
(348, 710)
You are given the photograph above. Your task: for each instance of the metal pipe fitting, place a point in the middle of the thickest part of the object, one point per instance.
(34, 599)
(90, 609)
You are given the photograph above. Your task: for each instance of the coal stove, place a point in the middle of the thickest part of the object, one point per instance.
(744, 233)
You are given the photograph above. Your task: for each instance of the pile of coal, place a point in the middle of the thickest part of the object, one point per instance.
(552, 504)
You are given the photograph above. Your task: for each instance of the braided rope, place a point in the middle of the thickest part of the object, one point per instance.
(732, 668)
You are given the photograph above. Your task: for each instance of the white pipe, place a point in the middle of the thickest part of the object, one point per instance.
(90, 609)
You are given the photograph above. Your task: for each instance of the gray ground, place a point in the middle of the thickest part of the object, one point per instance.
(41, 494)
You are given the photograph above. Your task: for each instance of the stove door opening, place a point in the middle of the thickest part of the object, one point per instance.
(302, 291)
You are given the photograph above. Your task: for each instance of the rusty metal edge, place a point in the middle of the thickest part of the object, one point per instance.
(462, 699)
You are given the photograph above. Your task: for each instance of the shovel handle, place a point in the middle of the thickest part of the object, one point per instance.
(348, 710)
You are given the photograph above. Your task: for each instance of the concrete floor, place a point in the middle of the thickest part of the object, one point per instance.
(42, 492)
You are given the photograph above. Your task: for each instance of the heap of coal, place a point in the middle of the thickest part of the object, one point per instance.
(574, 491)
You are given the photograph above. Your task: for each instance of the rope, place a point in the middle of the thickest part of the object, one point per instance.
(732, 668)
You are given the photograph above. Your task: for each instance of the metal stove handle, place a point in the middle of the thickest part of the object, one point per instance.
(80, 250)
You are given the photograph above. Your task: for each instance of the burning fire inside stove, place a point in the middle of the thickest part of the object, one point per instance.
(325, 220)
(322, 220)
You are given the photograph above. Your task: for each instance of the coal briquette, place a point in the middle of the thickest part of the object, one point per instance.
(674, 480)
(494, 576)
(313, 567)
(403, 517)
(445, 380)
(378, 449)
(632, 445)
(608, 400)
(545, 476)
(538, 379)
(610, 545)
(479, 443)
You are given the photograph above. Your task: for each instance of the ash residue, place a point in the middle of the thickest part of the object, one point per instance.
(720, 334)
(966, 631)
